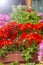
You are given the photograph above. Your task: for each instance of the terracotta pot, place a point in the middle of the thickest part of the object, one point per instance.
(11, 57)
(34, 57)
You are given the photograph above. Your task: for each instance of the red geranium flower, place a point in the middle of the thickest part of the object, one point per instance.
(29, 10)
(23, 27)
(38, 26)
(1, 34)
(37, 37)
(3, 42)
(9, 42)
(29, 26)
(13, 36)
(34, 36)
(23, 35)
(4, 31)
(19, 41)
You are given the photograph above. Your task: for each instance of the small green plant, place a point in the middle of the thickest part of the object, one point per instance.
(20, 15)
(1, 64)
(14, 63)
(29, 64)
(6, 49)
(27, 53)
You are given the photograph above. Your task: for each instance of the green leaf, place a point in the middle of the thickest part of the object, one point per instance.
(14, 63)
(1, 64)
(29, 64)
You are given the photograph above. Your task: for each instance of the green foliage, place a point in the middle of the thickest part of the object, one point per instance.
(29, 64)
(3, 52)
(20, 15)
(14, 63)
(27, 53)
(1, 64)
(6, 49)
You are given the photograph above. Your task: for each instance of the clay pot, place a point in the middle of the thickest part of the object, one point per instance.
(16, 56)
(34, 57)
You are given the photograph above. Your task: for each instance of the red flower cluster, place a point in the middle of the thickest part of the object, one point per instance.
(35, 37)
(30, 37)
(8, 33)
(29, 10)
(26, 26)
(17, 31)
(39, 26)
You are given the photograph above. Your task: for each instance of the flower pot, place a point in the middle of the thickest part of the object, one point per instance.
(16, 56)
(11, 57)
(34, 57)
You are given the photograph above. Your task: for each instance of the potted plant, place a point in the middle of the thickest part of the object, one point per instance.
(15, 39)
(22, 14)
(19, 40)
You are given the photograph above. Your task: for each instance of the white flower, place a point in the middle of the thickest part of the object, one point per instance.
(19, 6)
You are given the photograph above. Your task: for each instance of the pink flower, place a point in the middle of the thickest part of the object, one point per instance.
(2, 23)
(40, 14)
(4, 18)
(40, 52)
(40, 20)
(1, 17)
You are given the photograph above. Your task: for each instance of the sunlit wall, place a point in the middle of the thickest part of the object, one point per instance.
(5, 5)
